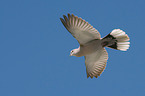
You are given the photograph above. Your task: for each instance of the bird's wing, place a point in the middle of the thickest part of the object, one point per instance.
(96, 62)
(80, 29)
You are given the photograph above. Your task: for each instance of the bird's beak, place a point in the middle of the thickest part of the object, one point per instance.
(70, 55)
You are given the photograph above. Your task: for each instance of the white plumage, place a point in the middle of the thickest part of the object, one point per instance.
(92, 45)
(121, 38)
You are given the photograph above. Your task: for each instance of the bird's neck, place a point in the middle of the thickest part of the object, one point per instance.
(78, 52)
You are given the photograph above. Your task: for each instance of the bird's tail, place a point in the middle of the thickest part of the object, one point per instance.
(117, 39)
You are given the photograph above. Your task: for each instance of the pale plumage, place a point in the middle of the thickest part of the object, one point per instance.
(91, 44)
(80, 29)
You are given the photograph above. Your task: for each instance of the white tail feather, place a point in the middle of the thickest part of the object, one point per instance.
(121, 38)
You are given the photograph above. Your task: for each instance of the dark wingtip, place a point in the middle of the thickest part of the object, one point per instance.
(64, 17)
(68, 14)
(96, 76)
(61, 20)
(72, 15)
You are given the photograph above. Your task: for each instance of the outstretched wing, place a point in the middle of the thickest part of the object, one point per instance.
(80, 29)
(96, 62)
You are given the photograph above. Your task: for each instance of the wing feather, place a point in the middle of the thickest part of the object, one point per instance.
(80, 29)
(96, 62)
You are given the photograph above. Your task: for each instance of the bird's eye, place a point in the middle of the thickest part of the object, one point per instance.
(72, 51)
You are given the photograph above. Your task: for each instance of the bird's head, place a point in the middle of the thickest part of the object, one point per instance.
(74, 52)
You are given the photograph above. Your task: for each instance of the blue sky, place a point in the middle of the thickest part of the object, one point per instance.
(35, 47)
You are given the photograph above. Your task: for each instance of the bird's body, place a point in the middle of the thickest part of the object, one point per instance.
(89, 47)
(92, 45)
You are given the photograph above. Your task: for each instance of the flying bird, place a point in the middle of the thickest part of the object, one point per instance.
(92, 46)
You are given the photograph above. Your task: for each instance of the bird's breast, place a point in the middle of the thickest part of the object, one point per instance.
(90, 47)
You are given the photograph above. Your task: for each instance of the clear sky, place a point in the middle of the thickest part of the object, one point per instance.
(35, 48)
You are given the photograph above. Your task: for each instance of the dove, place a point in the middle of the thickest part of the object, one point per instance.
(92, 46)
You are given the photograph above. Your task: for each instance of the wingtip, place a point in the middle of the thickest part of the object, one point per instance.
(64, 16)
(96, 76)
(88, 75)
(92, 77)
(72, 15)
(61, 19)
(68, 14)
